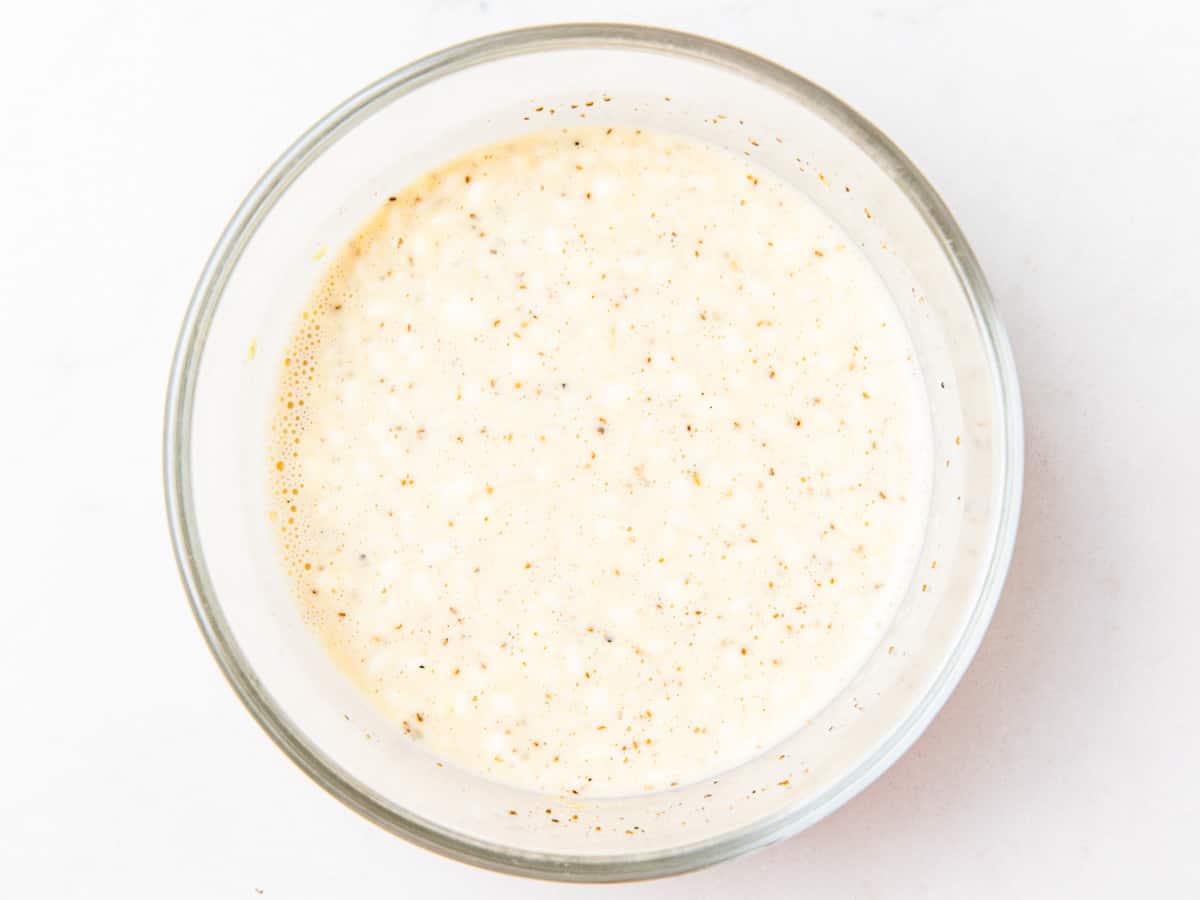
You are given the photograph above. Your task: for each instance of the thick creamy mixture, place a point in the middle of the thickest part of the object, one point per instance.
(599, 460)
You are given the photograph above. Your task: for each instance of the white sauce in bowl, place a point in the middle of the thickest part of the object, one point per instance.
(600, 461)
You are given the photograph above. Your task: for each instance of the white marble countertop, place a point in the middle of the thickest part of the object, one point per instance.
(1066, 140)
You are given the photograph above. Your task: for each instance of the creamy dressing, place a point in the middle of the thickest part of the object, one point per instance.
(600, 461)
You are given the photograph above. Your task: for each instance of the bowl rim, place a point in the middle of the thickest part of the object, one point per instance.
(177, 450)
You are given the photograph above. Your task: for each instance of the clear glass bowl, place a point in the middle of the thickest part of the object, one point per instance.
(260, 275)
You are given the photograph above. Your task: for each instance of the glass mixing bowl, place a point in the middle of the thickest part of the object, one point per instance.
(260, 275)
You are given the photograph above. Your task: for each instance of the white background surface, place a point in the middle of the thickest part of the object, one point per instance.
(1066, 140)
